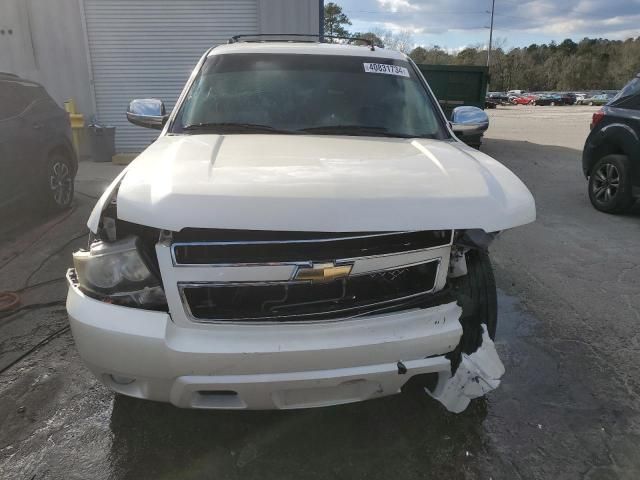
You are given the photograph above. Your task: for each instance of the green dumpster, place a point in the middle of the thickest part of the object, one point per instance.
(456, 85)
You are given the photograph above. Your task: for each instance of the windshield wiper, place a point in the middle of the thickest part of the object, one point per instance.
(231, 127)
(361, 130)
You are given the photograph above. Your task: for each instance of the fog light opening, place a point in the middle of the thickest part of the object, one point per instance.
(217, 399)
(121, 380)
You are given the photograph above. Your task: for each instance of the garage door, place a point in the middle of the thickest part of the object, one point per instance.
(148, 48)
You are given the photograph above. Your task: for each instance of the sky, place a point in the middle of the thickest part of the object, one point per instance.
(455, 24)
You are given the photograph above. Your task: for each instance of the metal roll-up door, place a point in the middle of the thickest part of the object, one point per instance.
(148, 48)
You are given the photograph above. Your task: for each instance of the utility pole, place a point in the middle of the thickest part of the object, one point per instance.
(321, 18)
(493, 6)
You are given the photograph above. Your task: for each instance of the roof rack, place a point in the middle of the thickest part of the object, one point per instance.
(259, 37)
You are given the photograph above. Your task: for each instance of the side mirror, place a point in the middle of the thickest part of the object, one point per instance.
(469, 121)
(148, 113)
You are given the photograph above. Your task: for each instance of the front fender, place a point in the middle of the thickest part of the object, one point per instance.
(611, 139)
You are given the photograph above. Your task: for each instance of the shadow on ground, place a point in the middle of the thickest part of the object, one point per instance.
(403, 436)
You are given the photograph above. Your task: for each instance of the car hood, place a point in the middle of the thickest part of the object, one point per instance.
(317, 183)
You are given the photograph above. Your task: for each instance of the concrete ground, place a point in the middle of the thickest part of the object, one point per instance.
(568, 407)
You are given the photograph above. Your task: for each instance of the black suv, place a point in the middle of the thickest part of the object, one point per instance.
(611, 156)
(37, 159)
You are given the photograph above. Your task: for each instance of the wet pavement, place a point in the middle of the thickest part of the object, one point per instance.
(568, 405)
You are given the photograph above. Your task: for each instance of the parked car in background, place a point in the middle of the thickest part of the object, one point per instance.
(579, 97)
(568, 98)
(491, 103)
(498, 96)
(559, 99)
(611, 155)
(600, 99)
(37, 159)
(493, 99)
(512, 96)
(523, 99)
(543, 99)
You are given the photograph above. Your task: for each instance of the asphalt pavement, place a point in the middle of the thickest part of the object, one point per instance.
(568, 407)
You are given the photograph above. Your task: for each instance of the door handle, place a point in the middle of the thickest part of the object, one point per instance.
(37, 126)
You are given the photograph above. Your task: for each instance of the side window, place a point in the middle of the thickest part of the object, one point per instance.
(629, 96)
(12, 100)
(33, 92)
(37, 99)
(632, 102)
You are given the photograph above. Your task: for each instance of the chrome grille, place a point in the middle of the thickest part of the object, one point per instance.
(389, 275)
(283, 301)
(191, 248)
(263, 277)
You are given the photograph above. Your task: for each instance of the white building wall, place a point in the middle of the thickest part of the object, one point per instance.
(49, 43)
(289, 16)
(148, 48)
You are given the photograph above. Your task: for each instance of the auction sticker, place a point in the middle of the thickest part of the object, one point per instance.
(386, 69)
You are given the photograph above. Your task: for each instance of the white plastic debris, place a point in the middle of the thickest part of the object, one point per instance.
(477, 375)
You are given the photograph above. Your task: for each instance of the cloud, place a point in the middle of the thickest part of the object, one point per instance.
(398, 5)
(550, 18)
(397, 28)
(612, 27)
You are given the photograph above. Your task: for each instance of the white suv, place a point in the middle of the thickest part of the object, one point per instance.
(307, 230)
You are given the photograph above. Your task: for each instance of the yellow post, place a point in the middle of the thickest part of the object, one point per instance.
(77, 124)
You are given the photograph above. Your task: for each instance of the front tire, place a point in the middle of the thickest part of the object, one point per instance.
(57, 191)
(476, 294)
(610, 184)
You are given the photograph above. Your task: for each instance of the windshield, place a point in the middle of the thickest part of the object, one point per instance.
(318, 94)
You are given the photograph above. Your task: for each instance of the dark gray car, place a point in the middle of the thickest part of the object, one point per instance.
(37, 159)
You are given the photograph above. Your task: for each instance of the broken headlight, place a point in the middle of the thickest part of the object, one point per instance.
(118, 273)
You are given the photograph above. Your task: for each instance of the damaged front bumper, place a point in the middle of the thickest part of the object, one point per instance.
(144, 354)
(477, 374)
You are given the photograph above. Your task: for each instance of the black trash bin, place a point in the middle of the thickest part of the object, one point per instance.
(102, 141)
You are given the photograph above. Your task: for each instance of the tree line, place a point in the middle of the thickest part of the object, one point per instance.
(590, 64)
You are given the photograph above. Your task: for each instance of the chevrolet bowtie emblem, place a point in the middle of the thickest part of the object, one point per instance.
(323, 272)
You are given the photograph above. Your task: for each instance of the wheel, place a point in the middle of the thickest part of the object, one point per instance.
(553, 104)
(591, 104)
(610, 184)
(476, 294)
(57, 193)
(534, 103)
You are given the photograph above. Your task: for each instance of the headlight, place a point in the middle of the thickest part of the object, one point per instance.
(118, 273)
